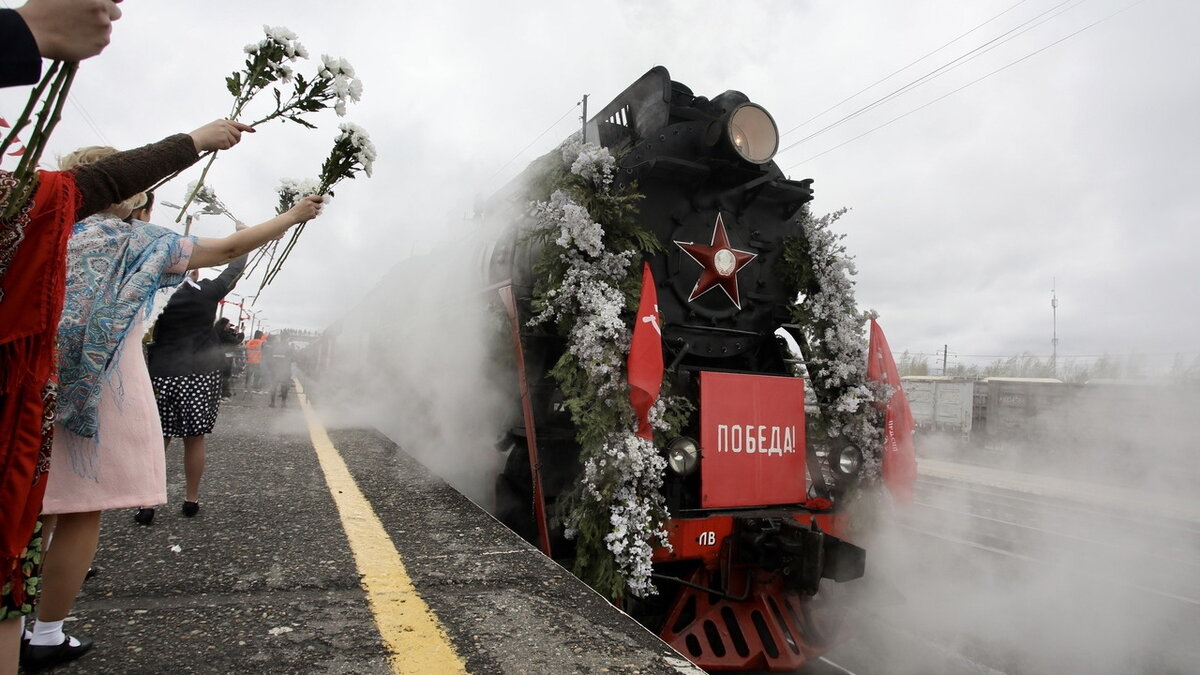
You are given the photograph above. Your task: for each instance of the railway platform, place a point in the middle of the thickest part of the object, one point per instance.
(332, 551)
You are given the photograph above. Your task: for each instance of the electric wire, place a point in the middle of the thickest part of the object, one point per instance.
(966, 57)
(897, 72)
(87, 119)
(1047, 356)
(4, 4)
(972, 82)
(536, 139)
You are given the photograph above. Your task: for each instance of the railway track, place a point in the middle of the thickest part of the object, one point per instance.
(1007, 581)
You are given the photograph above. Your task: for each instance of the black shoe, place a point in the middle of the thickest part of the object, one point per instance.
(40, 657)
(92, 571)
(144, 516)
(190, 508)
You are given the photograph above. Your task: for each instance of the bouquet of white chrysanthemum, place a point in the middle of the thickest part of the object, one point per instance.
(16, 192)
(207, 196)
(269, 63)
(290, 192)
(352, 152)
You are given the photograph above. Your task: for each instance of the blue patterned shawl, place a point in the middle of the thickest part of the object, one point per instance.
(113, 270)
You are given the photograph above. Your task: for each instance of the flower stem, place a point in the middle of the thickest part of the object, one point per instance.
(47, 118)
(199, 185)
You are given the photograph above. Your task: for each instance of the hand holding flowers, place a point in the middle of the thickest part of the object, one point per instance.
(269, 63)
(352, 152)
(219, 135)
(54, 86)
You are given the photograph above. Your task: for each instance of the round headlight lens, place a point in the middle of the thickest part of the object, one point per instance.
(849, 460)
(683, 455)
(753, 133)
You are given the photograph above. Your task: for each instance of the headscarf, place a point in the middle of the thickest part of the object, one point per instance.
(113, 270)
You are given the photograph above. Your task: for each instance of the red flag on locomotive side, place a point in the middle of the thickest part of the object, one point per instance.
(899, 456)
(645, 356)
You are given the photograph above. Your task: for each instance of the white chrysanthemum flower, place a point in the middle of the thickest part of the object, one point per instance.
(342, 81)
(624, 477)
(364, 149)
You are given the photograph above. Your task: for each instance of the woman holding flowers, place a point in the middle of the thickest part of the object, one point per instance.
(33, 247)
(107, 443)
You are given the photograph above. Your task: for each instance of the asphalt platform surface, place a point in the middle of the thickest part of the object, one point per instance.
(263, 580)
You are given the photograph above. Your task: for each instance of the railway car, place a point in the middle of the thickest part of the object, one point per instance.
(1020, 412)
(759, 499)
(942, 404)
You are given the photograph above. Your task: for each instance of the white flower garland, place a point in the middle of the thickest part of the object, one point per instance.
(626, 467)
(843, 363)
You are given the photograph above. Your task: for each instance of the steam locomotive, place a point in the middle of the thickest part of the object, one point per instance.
(757, 489)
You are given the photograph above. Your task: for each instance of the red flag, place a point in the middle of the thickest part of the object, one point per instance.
(645, 355)
(899, 456)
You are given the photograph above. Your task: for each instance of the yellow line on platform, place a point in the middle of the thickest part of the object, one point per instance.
(410, 630)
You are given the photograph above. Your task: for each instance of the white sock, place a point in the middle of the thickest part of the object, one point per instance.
(49, 634)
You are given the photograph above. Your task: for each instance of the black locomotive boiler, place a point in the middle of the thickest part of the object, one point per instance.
(760, 476)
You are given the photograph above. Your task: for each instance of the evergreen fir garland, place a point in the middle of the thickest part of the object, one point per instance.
(587, 288)
(817, 272)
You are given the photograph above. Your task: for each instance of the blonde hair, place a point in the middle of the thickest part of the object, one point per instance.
(93, 153)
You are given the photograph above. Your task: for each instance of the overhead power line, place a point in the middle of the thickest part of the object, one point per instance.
(536, 139)
(897, 72)
(972, 82)
(966, 57)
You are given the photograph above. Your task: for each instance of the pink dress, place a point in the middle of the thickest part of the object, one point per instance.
(124, 466)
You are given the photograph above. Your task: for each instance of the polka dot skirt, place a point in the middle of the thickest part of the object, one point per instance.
(188, 404)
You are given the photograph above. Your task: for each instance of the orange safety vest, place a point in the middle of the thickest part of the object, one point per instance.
(254, 350)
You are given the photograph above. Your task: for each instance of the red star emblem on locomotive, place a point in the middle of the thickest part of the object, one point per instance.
(720, 263)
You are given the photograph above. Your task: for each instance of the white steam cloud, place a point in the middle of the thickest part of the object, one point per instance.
(1076, 552)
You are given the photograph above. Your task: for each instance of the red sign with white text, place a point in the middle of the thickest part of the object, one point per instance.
(751, 440)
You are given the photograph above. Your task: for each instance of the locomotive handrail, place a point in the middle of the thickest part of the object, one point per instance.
(510, 307)
(711, 329)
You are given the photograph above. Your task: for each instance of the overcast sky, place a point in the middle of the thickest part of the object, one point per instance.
(1075, 168)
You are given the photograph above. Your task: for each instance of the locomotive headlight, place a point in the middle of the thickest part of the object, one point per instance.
(849, 460)
(683, 455)
(753, 133)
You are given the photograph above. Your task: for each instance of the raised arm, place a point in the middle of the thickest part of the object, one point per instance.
(70, 30)
(209, 252)
(120, 176)
(66, 30)
(227, 279)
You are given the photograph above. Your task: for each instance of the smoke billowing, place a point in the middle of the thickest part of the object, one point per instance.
(1075, 551)
(416, 359)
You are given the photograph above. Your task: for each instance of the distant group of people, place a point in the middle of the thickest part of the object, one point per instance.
(269, 365)
(83, 419)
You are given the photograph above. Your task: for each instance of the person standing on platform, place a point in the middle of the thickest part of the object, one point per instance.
(107, 442)
(32, 248)
(277, 358)
(254, 353)
(229, 339)
(185, 363)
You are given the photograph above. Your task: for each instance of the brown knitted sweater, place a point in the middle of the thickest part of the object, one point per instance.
(120, 176)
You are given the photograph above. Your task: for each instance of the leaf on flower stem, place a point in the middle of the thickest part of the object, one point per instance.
(297, 120)
(234, 84)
